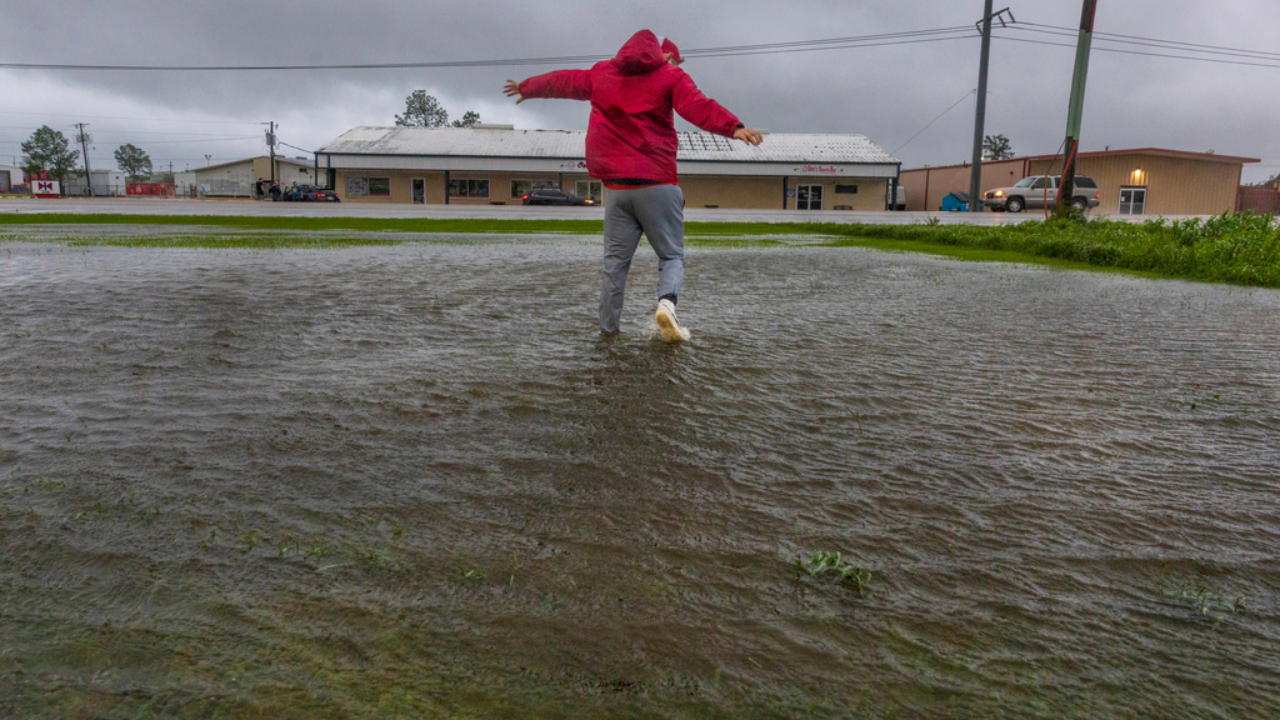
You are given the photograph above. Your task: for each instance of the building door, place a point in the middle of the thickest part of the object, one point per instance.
(419, 191)
(1133, 201)
(808, 197)
(592, 190)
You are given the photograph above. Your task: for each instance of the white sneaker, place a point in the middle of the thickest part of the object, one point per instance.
(667, 323)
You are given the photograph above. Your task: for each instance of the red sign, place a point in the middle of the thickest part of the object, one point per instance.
(45, 188)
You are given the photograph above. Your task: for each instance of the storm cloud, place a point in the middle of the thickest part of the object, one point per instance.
(889, 92)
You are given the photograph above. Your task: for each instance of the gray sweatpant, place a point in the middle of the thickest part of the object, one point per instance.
(658, 213)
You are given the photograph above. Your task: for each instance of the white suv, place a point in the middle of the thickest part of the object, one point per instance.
(1040, 191)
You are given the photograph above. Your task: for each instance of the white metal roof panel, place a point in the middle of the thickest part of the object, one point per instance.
(570, 144)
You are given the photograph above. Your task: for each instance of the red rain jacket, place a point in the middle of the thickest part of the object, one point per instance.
(632, 132)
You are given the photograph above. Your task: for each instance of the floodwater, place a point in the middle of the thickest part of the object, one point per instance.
(413, 481)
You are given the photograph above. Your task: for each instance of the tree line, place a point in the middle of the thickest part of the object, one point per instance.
(49, 151)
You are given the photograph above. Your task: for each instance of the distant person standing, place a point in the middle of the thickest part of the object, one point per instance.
(258, 191)
(631, 147)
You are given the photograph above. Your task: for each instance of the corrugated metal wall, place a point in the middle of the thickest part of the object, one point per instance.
(1262, 199)
(1175, 185)
(941, 181)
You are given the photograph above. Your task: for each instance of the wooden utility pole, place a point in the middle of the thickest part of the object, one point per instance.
(83, 137)
(271, 143)
(1075, 110)
(975, 173)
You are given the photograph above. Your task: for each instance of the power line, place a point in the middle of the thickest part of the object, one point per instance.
(1164, 45)
(116, 117)
(841, 43)
(295, 147)
(878, 40)
(819, 44)
(1155, 42)
(931, 122)
(1142, 53)
(127, 133)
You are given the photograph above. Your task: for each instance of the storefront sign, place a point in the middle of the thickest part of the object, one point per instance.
(818, 170)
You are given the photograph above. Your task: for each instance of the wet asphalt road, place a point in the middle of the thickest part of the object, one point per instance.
(136, 206)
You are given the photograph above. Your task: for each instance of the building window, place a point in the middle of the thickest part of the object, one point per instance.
(808, 197)
(592, 190)
(846, 189)
(469, 188)
(1133, 201)
(520, 188)
(368, 187)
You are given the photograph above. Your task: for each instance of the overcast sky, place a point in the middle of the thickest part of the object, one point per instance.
(888, 92)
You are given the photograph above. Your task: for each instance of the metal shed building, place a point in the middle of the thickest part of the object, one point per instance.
(10, 177)
(497, 164)
(236, 178)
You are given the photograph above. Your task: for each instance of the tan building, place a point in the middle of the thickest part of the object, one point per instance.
(236, 178)
(1152, 181)
(498, 164)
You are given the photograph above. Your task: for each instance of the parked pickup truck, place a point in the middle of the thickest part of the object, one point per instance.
(1040, 191)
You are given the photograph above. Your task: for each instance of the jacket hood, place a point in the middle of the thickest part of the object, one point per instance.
(641, 54)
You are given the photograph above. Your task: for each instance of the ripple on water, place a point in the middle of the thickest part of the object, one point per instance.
(424, 457)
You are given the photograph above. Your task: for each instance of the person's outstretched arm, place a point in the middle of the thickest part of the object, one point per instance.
(708, 114)
(562, 84)
(748, 136)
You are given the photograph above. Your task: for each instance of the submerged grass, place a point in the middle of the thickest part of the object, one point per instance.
(1242, 249)
(309, 224)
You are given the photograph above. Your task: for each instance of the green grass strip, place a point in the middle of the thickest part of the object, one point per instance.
(420, 225)
(1242, 249)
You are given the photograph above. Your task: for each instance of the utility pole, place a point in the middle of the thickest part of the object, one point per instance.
(271, 143)
(1075, 110)
(975, 171)
(83, 137)
(980, 119)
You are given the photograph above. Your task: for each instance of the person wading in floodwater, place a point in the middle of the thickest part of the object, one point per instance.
(631, 148)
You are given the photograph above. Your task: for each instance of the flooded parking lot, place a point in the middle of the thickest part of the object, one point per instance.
(413, 481)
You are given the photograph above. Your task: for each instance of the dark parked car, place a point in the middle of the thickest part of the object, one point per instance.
(552, 196)
(311, 193)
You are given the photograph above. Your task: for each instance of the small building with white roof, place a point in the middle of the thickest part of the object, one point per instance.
(237, 177)
(499, 164)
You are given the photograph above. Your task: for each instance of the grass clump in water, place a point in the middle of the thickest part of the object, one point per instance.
(849, 574)
(1194, 592)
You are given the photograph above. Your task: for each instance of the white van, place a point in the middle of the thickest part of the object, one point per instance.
(899, 202)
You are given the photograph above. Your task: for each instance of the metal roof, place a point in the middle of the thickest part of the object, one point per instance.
(571, 144)
(1160, 152)
(279, 159)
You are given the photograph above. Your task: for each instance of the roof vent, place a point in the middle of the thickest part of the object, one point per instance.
(487, 126)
